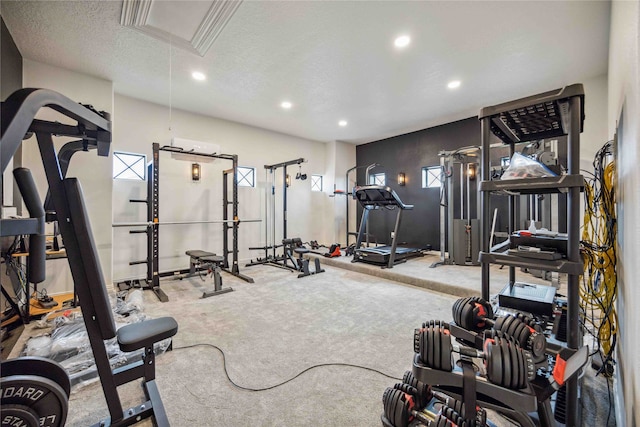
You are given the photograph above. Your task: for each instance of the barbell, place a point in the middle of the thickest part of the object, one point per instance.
(151, 223)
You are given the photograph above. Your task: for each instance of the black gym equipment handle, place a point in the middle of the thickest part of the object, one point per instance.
(36, 269)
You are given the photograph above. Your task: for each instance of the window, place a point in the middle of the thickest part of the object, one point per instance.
(316, 182)
(129, 166)
(377, 179)
(431, 177)
(246, 177)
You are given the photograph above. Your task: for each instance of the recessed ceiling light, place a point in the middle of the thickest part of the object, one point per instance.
(198, 76)
(402, 41)
(286, 105)
(454, 84)
(342, 123)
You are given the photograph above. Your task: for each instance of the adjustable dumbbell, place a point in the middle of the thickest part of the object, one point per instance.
(507, 364)
(400, 409)
(455, 408)
(425, 394)
(475, 314)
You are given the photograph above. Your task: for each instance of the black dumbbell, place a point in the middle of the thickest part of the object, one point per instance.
(475, 314)
(455, 408)
(507, 364)
(400, 409)
(431, 348)
(424, 392)
(471, 312)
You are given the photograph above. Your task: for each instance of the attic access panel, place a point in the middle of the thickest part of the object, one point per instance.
(541, 116)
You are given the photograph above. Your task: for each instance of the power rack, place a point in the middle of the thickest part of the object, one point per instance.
(152, 230)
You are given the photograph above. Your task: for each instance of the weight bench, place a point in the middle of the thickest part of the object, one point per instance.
(202, 259)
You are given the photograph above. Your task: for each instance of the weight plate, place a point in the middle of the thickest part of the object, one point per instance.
(37, 366)
(522, 369)
(522, 334)
(514, 327)
(513, 359)
(490, 365)
(42, 395)
(537, 344)
(510, 360)
(428, 346)
(456, 311)
(408, 378)
(467, 315)
(19, 416)
(436, 348)
(440, 421)
(446, 350)
(506, 323)
(500, 353)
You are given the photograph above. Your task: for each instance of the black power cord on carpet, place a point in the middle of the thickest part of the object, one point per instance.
(224, 365)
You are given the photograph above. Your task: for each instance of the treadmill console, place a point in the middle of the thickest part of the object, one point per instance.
(374, 196)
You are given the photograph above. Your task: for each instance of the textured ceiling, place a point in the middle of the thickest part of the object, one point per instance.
(332, 59)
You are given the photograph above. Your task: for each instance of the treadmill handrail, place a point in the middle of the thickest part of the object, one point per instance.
(379, 196)
(21, 107)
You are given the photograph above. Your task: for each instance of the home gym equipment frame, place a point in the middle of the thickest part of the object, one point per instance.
(460, 236)
(18, 113)
(152, 226)
(352, 194)
(547, 115)
(274, 259)
(373, 197)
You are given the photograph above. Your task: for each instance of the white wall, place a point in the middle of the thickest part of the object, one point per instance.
(596, 131)
(340, 157)
(624, 99)
(94, 172)
(140, 123)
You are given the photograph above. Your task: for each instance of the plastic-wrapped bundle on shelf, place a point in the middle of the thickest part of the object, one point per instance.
(525, 167)
(68, 343)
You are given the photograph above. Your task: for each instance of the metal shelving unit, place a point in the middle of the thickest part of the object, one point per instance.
(547, 115)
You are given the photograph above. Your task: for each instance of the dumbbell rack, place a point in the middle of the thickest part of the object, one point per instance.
(515, 404)
(546, 115)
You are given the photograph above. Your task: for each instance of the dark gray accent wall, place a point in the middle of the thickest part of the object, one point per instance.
(10, 63)
(409, 153)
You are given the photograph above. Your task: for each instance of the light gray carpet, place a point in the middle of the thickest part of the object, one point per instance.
(272, 330)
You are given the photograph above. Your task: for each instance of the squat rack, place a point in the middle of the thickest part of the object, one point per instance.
(152, 230)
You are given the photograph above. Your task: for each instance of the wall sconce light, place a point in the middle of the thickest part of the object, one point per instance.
(402, 179)
(471, 171)
(288, 180)
(195, 172)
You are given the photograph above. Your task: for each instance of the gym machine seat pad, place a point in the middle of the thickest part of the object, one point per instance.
(139, 335)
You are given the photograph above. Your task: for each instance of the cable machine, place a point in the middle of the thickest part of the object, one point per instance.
(152, 230)
(460, 235)
(270, 217)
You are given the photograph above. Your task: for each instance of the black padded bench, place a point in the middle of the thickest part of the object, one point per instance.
(199, 260)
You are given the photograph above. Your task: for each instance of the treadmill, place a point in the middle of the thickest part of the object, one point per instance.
(377, 197)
